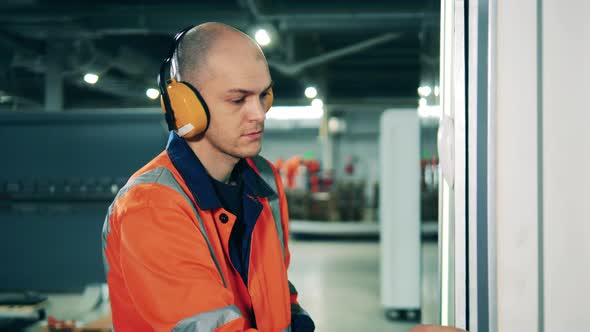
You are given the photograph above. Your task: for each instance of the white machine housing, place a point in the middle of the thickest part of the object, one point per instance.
(399, 209)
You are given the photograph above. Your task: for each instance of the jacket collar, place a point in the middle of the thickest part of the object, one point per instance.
(197, 179)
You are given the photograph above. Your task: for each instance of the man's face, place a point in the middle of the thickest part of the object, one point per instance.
(235, 88)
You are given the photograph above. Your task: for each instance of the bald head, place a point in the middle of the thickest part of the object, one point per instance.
(192, 59)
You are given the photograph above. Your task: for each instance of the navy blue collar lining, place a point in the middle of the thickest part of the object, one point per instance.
(194, 174)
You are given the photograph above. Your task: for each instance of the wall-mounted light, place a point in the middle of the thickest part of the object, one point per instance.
(317, 103)
(262, 37)
(424, 91)
(91, 78)
(311, 92)
(152, 93)
(336, 125)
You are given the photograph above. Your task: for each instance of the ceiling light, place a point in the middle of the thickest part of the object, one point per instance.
(311, 92)
(91, 78)
(152, 93)
(294, 113)
(262, 37)
(317, 103)
(422, 102)
(436, 91)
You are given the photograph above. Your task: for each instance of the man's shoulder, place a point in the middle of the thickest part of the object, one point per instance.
(154, 188)
(161, 160)
(159, 170)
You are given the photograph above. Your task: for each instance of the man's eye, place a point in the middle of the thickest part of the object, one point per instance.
(238, 101)
(264, 95)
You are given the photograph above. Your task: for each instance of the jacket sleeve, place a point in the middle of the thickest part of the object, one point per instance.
(300, 320)
(167, 266)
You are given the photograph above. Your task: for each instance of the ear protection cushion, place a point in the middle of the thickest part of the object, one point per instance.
(190, 110)
(268, 100)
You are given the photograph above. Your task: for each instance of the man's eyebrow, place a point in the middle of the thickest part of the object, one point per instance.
(249, 92)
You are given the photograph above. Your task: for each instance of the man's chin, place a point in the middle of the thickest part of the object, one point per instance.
(255, 152)
(249, 152)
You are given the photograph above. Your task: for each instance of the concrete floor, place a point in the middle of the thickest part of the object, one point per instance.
(338, 284)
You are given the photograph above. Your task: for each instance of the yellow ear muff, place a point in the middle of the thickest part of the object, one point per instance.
(190, 110)
(269, 99)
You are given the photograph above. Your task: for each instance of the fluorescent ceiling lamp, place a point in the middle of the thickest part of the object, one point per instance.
(318, 103)
(152, 93)
(294, 112)
(430, 111)
(262, 37)
(91, 78)
(311, 92)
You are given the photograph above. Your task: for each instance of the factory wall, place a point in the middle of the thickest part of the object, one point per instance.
(359, 140)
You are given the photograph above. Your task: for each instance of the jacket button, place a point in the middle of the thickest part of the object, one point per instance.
(223, 218)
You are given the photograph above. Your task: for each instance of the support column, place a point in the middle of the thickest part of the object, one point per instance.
(54, 101)
(327, 143)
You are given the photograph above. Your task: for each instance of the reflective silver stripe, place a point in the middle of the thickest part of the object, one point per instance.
(106, 229)
(268, 176)
(208, 321)
(148, 177)
(163, 176)
(276, 214)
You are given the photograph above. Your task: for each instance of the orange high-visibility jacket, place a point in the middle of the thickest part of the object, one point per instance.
(168, 263)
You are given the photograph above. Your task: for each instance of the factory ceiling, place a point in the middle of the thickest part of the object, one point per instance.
(354, 52)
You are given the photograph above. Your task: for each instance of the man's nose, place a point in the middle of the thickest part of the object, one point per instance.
(257, 111)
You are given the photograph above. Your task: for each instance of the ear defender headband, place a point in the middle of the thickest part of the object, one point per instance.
(184, 108)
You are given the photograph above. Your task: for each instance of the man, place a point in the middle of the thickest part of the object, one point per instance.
(197, 240)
